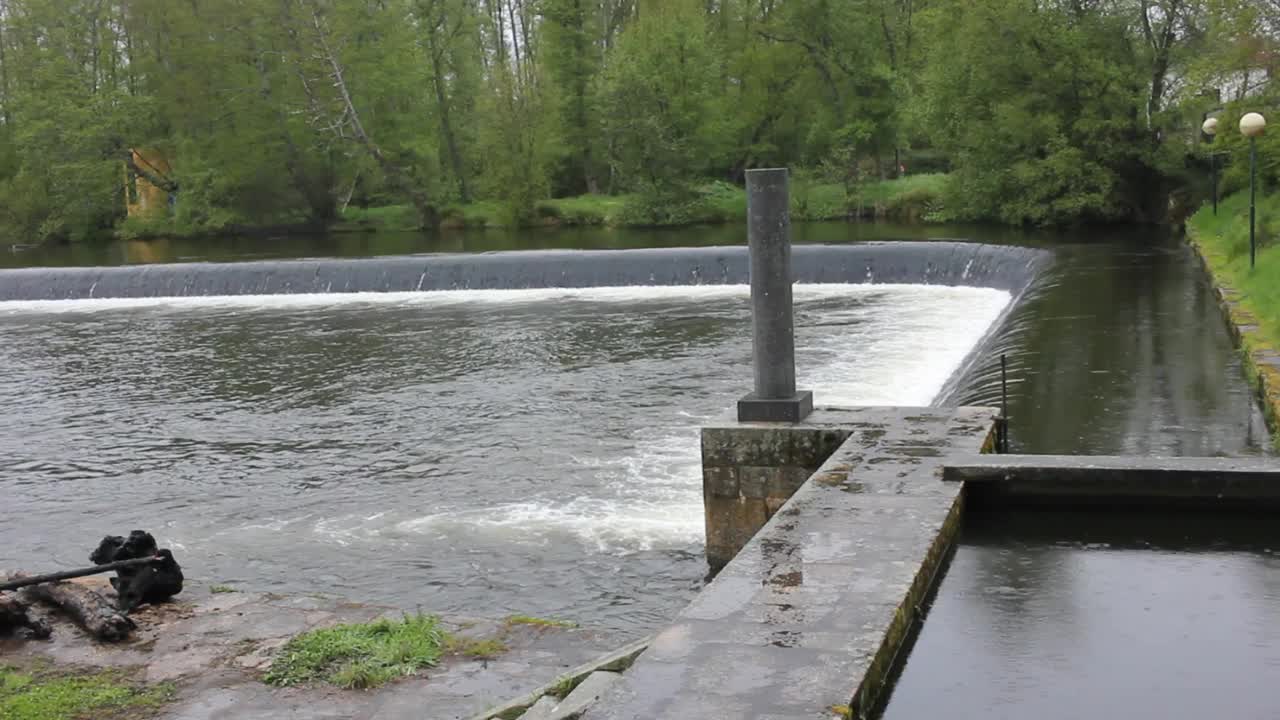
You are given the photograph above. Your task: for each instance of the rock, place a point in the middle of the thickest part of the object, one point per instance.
(13, 616)
(153, 583)
(540, 710)
(582, 696)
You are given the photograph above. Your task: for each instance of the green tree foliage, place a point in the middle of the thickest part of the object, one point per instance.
(289, 111)
(657, 97)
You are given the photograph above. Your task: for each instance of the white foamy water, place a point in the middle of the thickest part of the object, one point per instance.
(652, 496)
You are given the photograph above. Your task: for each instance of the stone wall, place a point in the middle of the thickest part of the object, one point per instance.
(750, 470)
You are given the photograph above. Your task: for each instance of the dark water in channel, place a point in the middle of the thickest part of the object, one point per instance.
(1067, 616)
(1120, 350)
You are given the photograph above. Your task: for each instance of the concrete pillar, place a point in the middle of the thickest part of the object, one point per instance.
(775, 398)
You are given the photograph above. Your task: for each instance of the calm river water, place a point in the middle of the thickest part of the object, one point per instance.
(537, 452)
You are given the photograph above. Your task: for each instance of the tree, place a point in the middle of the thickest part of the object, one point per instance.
(657, 98)
(331, 94)
(572, 56)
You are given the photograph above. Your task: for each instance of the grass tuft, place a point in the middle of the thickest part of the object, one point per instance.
(540, 622)
(478, 648)
(362, 655)
(563, 687)
(51, 696)
(216, 589)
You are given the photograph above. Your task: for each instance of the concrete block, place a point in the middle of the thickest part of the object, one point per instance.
(754, 481)
(745, 445)
(784, 482)
(573, 706)
(720, 481)
(1204, 483)
(812, 448)
(541, 710)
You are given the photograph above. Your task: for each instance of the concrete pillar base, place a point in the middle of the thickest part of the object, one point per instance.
(752, 408)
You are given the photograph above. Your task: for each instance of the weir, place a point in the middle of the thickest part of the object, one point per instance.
(935, 263)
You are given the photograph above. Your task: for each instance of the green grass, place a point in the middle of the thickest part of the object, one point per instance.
(540, 622)
(887, 191)
(912, 198)
(388, 217)
(1224, 240)
(216, 589)
(584, 209)
(50, 696)
(564, 686)
(362, 655)
(478, 648)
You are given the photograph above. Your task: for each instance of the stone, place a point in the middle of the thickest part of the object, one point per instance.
(587, 692)
(152, 583)
(541, 710)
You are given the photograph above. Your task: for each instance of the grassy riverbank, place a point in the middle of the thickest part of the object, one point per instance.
(914, 198)
(1224, 242)
(1251, 295)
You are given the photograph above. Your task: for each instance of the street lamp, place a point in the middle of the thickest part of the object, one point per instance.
(1251, 126)
(1210, 128)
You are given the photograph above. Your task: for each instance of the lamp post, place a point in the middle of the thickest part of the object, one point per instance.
(1210, 128)
(1251, 126)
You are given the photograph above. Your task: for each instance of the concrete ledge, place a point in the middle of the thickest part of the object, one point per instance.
(1200, 483)
(813, 612)
(936, 263)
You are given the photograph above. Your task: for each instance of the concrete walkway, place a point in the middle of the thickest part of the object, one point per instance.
(805, 622)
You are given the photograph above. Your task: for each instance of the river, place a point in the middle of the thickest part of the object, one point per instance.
(536, 452)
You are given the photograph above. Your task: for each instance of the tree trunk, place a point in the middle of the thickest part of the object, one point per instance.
(148, 173)
(13, 616)
(446, 125)
(4, 79)
(90, 610)
(580, 50)
(428, 216)
(318, 196)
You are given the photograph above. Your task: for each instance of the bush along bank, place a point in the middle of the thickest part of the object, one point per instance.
(1250, 297)
(914, 198)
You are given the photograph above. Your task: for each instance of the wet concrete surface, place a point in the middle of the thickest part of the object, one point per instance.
(1064, 482)
(814, 608)
(215, 647)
